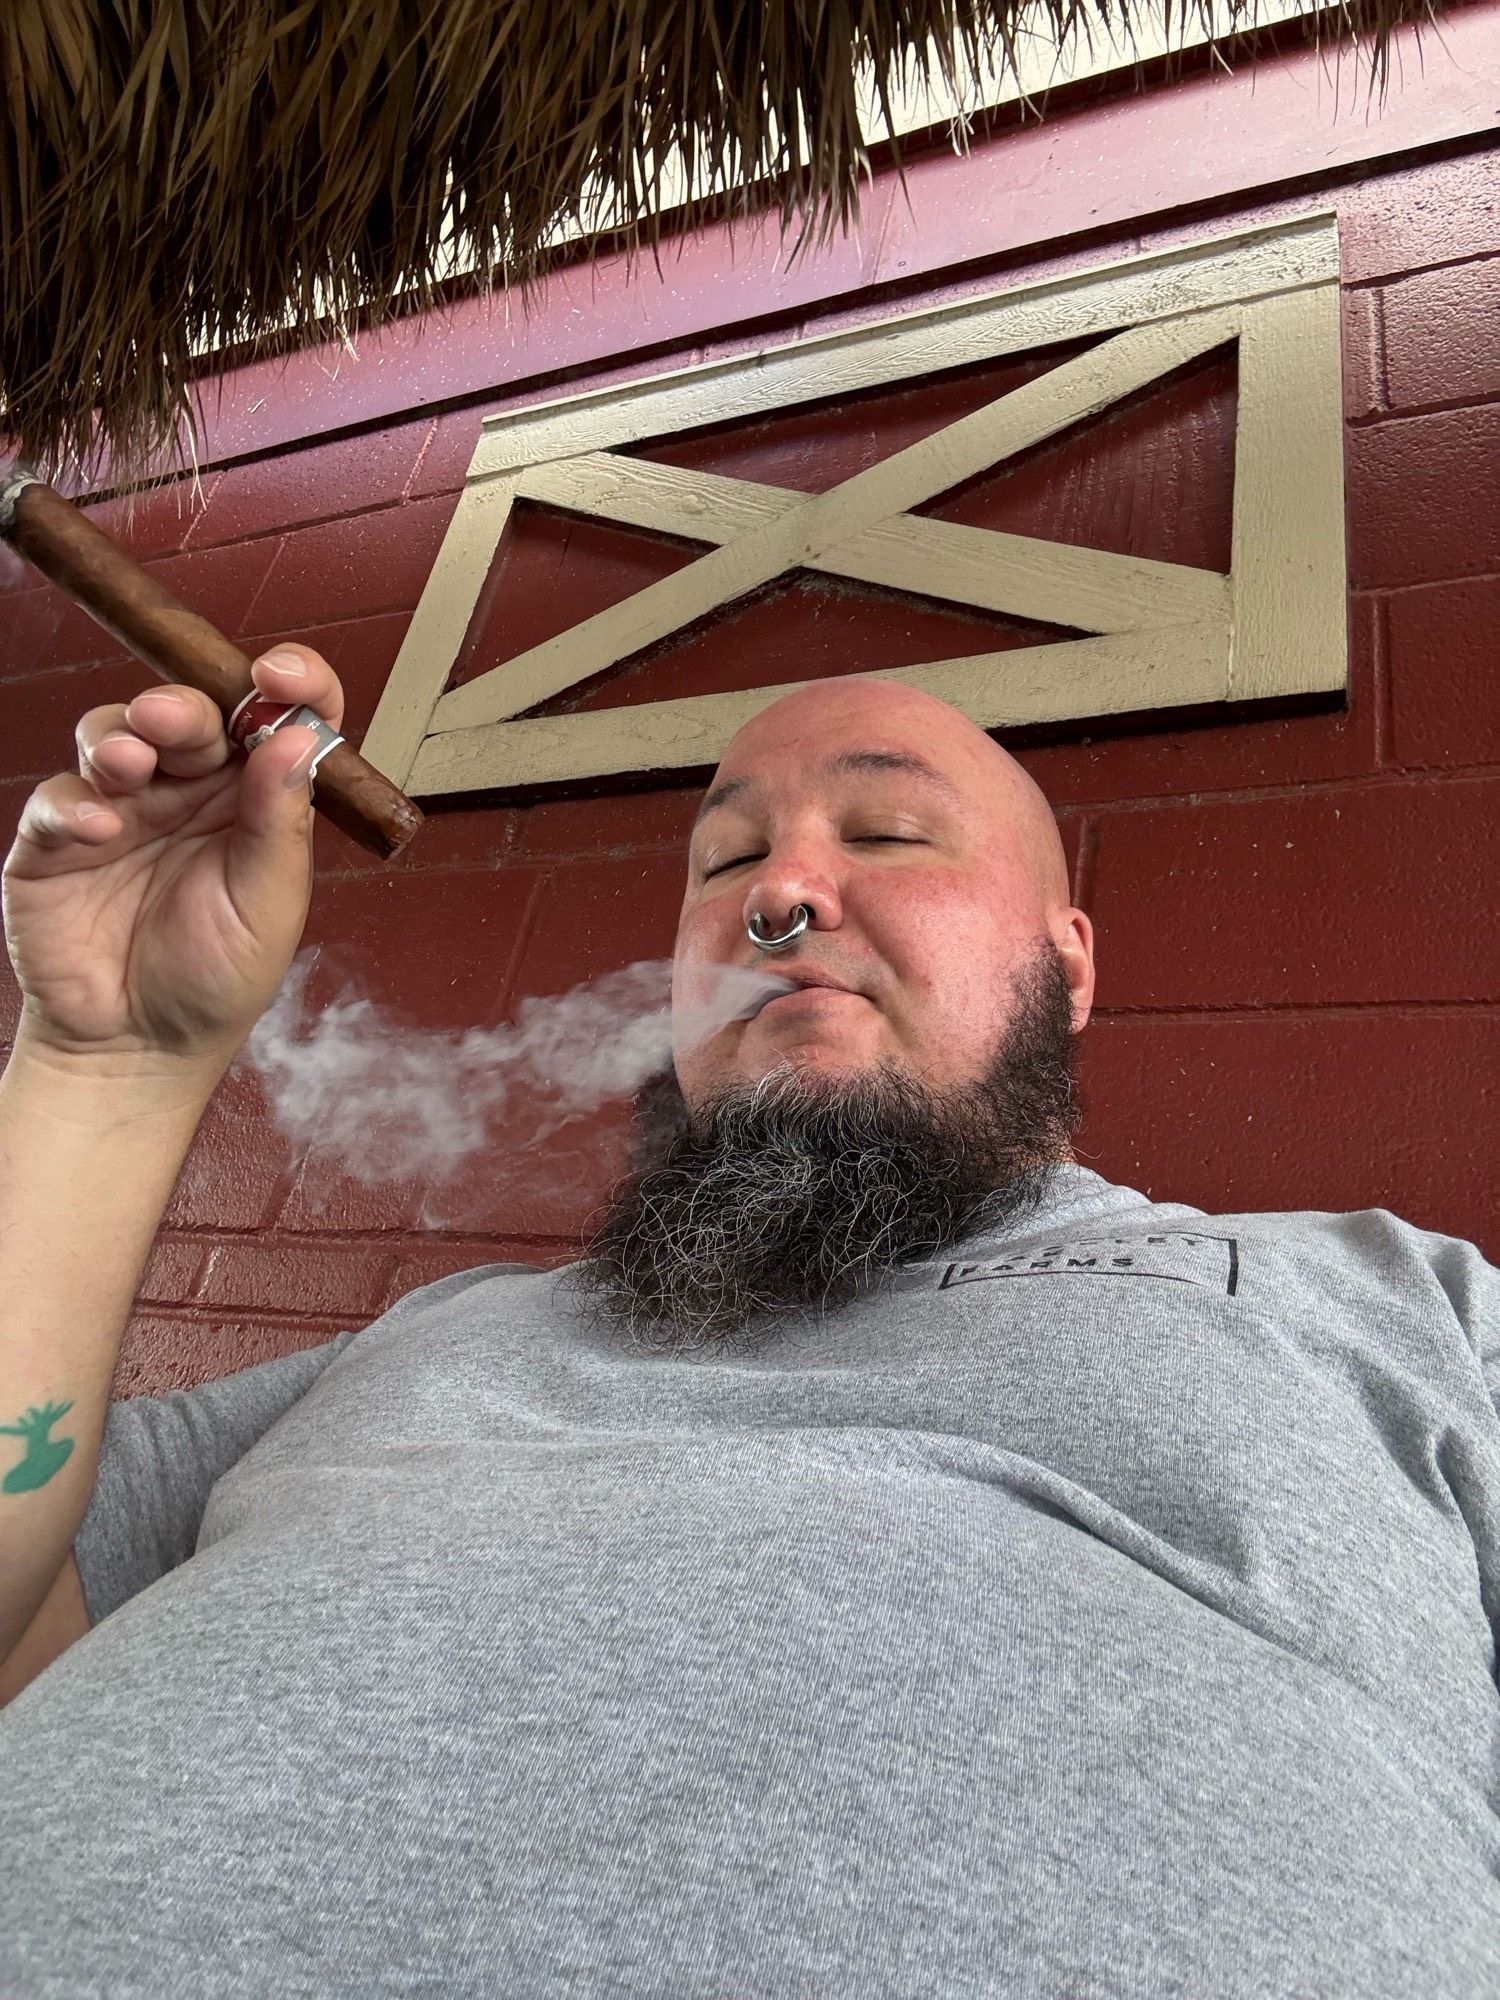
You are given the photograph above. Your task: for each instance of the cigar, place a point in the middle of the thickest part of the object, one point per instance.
(176, 643)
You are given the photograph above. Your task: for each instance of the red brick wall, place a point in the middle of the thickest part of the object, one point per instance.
(1298, 970)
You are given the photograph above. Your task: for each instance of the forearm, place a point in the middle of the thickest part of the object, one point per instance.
(88, 1161)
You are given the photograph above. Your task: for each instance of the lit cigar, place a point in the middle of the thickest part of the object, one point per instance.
(180, 646)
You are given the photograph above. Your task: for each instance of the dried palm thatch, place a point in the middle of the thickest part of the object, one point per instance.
(176, 174)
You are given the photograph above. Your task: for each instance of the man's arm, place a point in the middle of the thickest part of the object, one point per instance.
(62, 1619)
(89, 1156)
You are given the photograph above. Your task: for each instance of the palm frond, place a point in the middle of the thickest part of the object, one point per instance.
(182, 174)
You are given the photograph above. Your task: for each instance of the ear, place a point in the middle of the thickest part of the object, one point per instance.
(1075, 944)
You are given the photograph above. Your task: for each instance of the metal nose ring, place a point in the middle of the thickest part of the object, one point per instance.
(800, 918)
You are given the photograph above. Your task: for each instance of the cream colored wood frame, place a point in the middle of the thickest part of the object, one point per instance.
(1165, 634)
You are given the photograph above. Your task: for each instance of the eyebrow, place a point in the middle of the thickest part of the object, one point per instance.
(848, 763)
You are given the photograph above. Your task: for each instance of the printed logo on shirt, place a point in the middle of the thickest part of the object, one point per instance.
(1177, 1255)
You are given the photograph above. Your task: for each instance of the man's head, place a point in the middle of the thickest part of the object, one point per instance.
(933, 869)
(919, 1078)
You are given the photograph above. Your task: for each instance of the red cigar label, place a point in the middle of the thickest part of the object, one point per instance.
(258, 717)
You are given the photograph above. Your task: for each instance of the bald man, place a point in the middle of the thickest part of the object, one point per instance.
(915, 1081)
(891, 1559)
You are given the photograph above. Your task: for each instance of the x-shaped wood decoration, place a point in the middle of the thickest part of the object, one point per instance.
(1166, 634)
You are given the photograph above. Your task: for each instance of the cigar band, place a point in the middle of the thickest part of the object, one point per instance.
(257, 717)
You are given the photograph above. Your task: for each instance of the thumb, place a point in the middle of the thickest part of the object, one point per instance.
(270, 844)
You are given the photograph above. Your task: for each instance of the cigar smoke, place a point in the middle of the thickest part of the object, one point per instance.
(385, 1101)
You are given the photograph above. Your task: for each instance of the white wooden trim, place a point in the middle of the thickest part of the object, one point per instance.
(1288, 614)
(819, 522)
(1167, 634)
(1030, 684)
(984, 569)
(1162, 284)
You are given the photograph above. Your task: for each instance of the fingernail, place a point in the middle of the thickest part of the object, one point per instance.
(161, 695)
(87, 812)
(283, 661)
(297, 775)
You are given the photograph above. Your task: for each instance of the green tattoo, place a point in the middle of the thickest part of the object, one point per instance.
(44, 1455)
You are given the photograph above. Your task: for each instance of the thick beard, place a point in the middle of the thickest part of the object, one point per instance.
(797, 1195)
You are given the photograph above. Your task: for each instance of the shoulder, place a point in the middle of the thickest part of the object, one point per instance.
(462, 1298)
(457, 1285)
(1373, 1249)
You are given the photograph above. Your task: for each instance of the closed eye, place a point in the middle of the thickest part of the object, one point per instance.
(859, 840)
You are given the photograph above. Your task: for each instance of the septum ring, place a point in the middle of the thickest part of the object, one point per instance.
(800, 919)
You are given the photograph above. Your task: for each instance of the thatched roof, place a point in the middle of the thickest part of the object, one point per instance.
(176, 174)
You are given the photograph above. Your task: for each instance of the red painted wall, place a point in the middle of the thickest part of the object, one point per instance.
(1295, 916)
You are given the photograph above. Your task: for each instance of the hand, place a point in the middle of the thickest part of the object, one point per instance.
(153, 902)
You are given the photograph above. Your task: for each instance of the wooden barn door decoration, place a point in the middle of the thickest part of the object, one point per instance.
(1161, 634)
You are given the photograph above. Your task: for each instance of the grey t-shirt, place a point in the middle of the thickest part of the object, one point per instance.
(1107, 1608)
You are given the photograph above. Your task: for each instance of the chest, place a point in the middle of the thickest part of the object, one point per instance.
(1276, 1455)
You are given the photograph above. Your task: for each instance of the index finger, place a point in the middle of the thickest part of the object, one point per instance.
(189, 733)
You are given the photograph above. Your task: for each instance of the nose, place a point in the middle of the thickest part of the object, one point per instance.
(780, 885)
(768, 940)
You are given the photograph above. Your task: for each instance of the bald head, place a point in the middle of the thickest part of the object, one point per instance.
(870, 708)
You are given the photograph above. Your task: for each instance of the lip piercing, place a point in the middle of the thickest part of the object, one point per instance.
(800, 918)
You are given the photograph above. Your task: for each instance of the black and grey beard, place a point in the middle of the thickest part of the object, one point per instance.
(798, 1194)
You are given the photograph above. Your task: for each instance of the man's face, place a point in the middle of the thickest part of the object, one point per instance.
(922, 1091)
(932, 867)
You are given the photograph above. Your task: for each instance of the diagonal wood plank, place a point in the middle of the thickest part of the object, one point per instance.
(1056, 583)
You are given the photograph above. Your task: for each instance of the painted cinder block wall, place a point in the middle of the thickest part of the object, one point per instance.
(1298, 974)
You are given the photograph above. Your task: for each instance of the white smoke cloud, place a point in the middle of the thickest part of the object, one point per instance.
(386, 1101)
